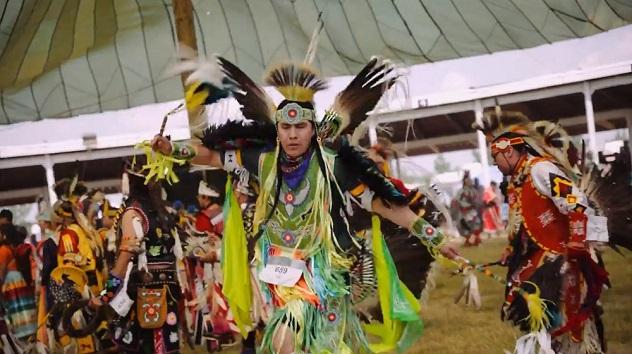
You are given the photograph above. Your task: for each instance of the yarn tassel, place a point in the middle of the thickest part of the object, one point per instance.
(538, 310)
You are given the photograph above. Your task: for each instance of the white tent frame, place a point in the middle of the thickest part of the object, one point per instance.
(582, 81)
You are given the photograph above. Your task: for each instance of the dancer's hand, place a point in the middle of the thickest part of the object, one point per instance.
(130, 244)
(449, 251)
(504, 257)
(162, 145)
(95, 303)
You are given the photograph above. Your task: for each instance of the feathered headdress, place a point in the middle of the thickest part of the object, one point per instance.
(68, 191)
(543, 138)
(297, 84)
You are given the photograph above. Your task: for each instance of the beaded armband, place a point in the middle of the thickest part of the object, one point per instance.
(182, 151)
(426, 233)
(578, 225)
(112, 286)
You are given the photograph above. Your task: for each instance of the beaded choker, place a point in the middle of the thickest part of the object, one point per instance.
(291, 164)
(294, 168)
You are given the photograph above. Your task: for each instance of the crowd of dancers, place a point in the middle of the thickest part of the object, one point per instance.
(312, 246)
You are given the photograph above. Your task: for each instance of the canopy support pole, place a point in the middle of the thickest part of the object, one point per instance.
(50, 179)
(185, 33)
(590, 121)
(482, 143)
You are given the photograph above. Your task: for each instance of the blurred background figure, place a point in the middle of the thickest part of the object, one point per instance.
(465, 211)
(6, 217)
(492, 221)
(18, 292)
(209, 218)
(47, 254)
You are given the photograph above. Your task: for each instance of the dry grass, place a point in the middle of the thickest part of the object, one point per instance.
(452, 329)
(459, 329)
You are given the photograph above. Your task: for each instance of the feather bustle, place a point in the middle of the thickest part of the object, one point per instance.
(368, 173)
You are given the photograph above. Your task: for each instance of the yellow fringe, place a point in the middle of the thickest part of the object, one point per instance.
(537, 310)
(159, 166)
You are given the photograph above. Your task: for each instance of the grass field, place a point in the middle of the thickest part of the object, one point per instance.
(458, 329)
(452, 329)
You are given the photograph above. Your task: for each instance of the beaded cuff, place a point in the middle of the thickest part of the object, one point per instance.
(182, 151)
(426, 232)
(112, 286)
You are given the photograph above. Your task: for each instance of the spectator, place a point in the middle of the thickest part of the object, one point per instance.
(465, 207)
(6, 217)
(18, 294)
(209, 218)
(492, 222)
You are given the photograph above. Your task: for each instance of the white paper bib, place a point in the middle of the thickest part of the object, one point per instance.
(282, 271)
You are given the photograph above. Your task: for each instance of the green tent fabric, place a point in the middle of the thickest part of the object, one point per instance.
(61, 58)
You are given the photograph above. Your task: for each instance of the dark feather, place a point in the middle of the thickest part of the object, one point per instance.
(214, 93)
(255, 103)
(295, 75)
(63, 186)
(236, 135)
(362, 94)
(411, 257)
(610, 191)
(368, 173)
(548, 278)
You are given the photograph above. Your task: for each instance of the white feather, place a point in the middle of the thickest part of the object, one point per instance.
(201, 69)
(177, 247)
(534, 343)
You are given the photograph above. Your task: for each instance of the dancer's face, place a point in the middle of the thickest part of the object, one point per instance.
(507, 160)
(295, 138)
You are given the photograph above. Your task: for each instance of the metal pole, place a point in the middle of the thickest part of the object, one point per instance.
(50, 179)
(590, 121)
(482, 143)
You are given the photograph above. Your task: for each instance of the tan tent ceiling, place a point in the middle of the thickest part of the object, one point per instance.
(60, 58)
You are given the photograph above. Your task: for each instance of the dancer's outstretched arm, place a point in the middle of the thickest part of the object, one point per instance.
(198, 154)
(404, 217)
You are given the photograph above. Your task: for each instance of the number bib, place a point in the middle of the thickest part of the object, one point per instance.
(282, 271)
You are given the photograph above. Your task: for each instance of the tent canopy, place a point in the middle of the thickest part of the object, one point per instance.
(62, 58)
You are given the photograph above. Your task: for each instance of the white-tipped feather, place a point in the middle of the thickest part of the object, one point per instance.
(201, 69)
(432, 193)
